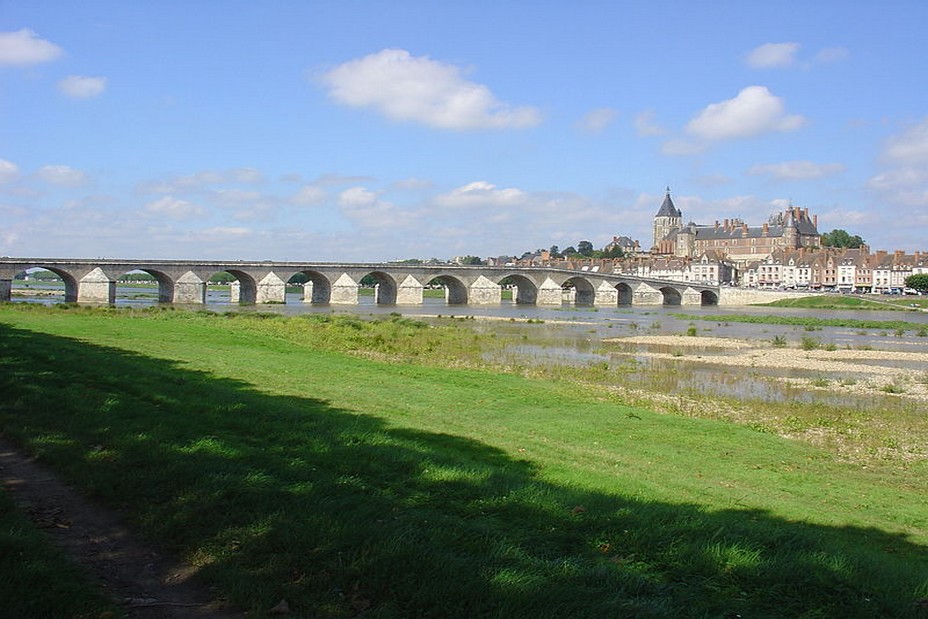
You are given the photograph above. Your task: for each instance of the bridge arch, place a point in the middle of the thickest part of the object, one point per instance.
(384, 287)
(70, 281)
(672, 296)
(526, 291)
(165, 283)
(625, 293)
(455, 289)
(243, 291)
(585, 294)
(316, 288)
(709, 297)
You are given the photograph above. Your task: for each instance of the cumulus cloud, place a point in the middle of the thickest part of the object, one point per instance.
(81, 87)
(169, 206)
(418, 89)
(796, 170)
(596, 120)
(357, 196)
(481, 193)
(24, 47)
(9, 172)
(754, 111)
(772, 55)
(61, 175)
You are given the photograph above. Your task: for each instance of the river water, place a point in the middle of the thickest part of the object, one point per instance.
(577, 336)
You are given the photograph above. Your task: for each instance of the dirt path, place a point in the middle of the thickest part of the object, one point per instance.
(147, 584)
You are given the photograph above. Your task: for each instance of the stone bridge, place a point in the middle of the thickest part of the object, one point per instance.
(185, 282)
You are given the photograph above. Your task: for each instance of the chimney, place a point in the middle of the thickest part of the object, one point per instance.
(815, 221)
(716, 224)
(765, 229)
(726, 225)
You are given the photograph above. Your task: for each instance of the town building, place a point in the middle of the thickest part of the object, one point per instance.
(732, 239)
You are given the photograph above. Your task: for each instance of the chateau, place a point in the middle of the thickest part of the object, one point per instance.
(732, 239)
(783, 252)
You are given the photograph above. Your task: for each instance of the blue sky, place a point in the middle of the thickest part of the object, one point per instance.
(370, 131)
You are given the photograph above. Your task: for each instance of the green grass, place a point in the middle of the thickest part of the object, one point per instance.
(327, 461)
(833, 301)
(810, 322)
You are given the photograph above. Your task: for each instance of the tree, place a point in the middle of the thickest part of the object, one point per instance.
(554, 252)
(840, 238)
(469, 260)
(918, 282)
(585, 248)
(614, 252)
(570, 251)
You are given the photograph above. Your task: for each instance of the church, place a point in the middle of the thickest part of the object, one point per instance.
(733, 239)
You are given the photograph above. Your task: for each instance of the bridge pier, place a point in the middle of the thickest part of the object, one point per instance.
(690, 297)
(646, 295)
(485, 292)
(345, 291)
(550, 293)
(606, 296)
(6, 290)
(409, 292)
(96, 287)
(271, 289)
(190, 289)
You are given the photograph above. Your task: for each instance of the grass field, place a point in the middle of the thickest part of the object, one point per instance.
(333, 463)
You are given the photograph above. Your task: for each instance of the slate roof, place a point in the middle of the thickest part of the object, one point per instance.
(667, 207)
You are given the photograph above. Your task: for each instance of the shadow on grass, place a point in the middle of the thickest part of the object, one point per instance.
(343, 514)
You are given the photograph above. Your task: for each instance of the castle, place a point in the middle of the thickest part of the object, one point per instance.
(733, 239)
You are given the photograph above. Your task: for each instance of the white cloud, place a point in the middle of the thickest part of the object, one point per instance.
(772, 55)
(645, 125)
(81, 87)
(418, 89)
(9, 172)
(910, 147)
(481, 193)
(754, 111)
(61, 175)
(169, 206)
(596, 120)
(357, 196)
(796, 170)
(24, 47)
(906, 180)
(308, 195)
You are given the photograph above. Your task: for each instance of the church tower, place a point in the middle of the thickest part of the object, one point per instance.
(667, 220)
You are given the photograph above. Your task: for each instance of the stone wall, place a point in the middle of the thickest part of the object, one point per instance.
(750, 296)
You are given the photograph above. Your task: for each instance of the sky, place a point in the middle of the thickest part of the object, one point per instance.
(375, 131)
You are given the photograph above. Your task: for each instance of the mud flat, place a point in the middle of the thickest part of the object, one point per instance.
(902, 373)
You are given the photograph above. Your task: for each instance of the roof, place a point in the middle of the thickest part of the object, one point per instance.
(667, 208)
